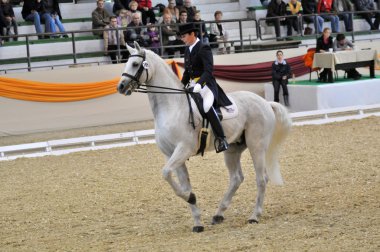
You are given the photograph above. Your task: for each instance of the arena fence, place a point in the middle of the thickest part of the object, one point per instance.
(66, 146)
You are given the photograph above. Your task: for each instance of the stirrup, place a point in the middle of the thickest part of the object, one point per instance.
(220, 144)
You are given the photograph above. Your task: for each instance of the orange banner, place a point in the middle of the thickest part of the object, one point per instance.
(60, 92)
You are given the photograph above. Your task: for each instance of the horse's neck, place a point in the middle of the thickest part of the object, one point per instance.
(165, 106)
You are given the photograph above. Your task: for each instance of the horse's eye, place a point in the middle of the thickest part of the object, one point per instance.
(135, 64)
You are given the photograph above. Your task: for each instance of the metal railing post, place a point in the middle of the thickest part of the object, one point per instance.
(74, 48)
(28, 53)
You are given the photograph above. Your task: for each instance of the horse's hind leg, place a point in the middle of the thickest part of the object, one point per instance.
(232, 159)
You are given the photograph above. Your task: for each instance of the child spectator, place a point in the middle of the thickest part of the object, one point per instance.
(8, 18)
(281, 72)
(154, 38)
(100, 18)
(124, 18)
(220, 33)
(111, 39)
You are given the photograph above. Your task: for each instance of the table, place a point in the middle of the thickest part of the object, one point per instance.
(344, 60)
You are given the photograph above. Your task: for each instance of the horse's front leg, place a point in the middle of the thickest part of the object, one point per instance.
(176, 163)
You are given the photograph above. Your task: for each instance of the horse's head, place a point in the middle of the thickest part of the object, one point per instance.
(135, 71)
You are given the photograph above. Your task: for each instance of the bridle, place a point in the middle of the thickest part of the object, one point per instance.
(136, 84)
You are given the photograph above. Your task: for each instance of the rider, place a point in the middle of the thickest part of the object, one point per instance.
(198, 75)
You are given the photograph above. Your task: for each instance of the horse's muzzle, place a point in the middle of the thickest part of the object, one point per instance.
(122, 88)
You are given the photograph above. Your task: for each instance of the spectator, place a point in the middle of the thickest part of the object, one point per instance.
(281, 72)
(201, 26)
(2, 27)
(119, 5)
(51, 7)
(179, 3)
(343, 6)
(133, 5)
(324, 43)
(124, 18)
(368, 5)
(294, 7)
(343, 44)
(221, 34)
(145, 7)
(169, 36)
(136, 33)
(190, 10)
(310, 7)
(174, 11)
(100, 18)
(182, 17)
(328, 11)
(154, 38)
(29, 13)
(8, 19)
(111, 40)
(166, 11)
(276, 8)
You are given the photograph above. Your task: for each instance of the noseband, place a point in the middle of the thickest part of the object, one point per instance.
(144, 66)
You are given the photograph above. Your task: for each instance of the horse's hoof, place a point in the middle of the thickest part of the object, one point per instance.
(198, 229)
(252, 221)
(217, 219)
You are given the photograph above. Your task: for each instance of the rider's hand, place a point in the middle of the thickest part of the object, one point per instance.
(197, 88)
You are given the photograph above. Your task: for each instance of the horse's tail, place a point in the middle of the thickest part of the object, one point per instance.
(283, 125)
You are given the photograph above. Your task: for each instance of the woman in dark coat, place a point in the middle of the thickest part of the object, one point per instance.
(324, 43)
(281, 72)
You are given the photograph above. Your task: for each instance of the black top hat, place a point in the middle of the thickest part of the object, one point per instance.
(187, 28)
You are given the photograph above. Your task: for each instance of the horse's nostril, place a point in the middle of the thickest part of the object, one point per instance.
(121, 87)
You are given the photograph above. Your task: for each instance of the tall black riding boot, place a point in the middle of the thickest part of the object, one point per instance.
(286, 100)
(220, 139)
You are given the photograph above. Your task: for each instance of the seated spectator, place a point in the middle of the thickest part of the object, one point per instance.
(169, 36)
(100, 18)
(201, 26)
(145, 7)
(29, 13)
(343, 44)
(190, 10)
(310, 7)
(174, 11)
(8, 20)
(133, 5)
(281, 72)
(119, 5)
(182, 17)
(154, 38)
(368, 5)
(166, 11)
(111, 39)
(179, 3)
(220, 33)
(327, 10)
(324, 43)
(51, 7)
(124, 18)
(294, 7)
(344, 6)
(136, 33)
(276, 8)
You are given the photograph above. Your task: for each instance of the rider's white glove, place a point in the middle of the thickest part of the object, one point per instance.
(197, 88)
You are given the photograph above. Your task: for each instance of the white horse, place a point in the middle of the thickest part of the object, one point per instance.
(260, 126)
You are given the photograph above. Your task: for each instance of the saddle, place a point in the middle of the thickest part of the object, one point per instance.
(224, 113)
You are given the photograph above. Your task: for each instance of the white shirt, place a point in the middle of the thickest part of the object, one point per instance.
(192, 46)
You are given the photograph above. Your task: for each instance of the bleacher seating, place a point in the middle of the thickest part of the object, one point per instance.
(78, 17)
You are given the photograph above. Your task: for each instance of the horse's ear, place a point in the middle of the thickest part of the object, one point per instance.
(131, 50)
(137, 46)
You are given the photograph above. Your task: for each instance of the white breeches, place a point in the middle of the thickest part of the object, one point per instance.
(208, 98)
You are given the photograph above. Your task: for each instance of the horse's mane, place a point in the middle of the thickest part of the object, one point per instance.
(158, 61)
